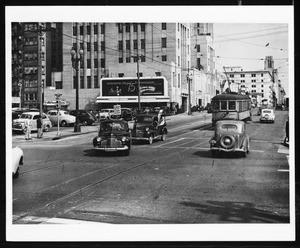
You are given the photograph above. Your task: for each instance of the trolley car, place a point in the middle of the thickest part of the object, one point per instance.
(231, 107)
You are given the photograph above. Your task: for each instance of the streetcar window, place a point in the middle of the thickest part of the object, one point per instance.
(231, 105)
(215, 105)
(223, 105)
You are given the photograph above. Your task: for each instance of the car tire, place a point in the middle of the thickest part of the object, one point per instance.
(150, 140)
(126, 152)
(47, 128)
(16, 175)
(163, 136)
(63, 123)
(244, 154)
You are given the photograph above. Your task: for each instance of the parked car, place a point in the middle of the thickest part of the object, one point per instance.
(267, 115)
(105, 113)
(64, 118)
(126, 114)
(17, 160)
(113, 136)
(149, 127)
(85, 117)
(230, 136)
(19, 124)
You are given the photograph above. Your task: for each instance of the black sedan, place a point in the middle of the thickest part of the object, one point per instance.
(113, 136)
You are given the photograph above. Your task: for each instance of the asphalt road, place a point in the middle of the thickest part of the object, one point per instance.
(175, 181)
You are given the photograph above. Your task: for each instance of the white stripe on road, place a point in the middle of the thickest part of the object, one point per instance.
(168, 142)
(42, 220)
(282, 170)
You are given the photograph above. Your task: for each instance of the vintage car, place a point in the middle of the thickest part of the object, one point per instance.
(19, 124)
(267, 115)
(230, 136)
(149, 127)
(64, 117)
(17, 160)
(85, 117)
(106, 113)
(113, 135)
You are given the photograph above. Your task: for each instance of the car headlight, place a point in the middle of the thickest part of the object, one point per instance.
(123, 138)
(98, 139)
(147, 129)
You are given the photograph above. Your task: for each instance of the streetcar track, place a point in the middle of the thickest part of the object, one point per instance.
(91, 185)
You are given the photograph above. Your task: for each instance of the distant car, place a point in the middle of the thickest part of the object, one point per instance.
(64, 117)
(113, 136)
(85, 117)
(126, 114)
(148, 127)
(230, 136)
(19, 124)
(105, 113)
(267, 115)
(17, 160)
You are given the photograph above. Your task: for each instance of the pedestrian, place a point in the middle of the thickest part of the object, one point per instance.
(287, 130)
(39, 125)
(27, 129)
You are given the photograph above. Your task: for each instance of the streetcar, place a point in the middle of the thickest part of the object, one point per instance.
(231, 107)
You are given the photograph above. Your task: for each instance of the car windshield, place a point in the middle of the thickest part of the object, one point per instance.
(228, 127)
(26, 116)
(144, 119)
(112, 126)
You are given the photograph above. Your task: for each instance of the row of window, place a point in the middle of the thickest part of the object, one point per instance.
(135, 27)
(88, 30)
(135, 44)
(88, 46)
(30, 96)
(231, 105)
(243, 75)
(253, 85)
(89, 82)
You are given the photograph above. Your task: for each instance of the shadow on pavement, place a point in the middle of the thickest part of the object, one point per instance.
(237, 212)
(222, 155)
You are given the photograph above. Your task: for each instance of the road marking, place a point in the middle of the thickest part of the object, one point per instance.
(283, 170)
(43, 220)
(169, 142)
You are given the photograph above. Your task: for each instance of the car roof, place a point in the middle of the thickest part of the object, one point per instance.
(230, 97)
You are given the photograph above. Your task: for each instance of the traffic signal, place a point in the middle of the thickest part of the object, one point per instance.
(58, 104)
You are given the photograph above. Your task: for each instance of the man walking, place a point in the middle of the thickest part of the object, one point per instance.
(39, 125)
(27, 129)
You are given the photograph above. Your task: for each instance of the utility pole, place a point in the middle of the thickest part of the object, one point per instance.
(139, 83)
(189, 89)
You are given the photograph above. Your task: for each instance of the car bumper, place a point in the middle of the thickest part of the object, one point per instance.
(226, 150)
(140, 138)
(111, 149)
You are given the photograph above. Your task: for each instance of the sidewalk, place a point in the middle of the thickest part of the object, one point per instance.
(52, 134)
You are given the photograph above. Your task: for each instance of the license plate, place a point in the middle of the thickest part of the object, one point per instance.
(110, 149)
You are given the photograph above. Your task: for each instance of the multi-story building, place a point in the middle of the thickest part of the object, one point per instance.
(114, 50)
(261, 85)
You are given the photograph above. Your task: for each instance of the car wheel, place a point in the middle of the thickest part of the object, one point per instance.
(244, 154)
(63, 123)
(47, 128)
(16, 175)
(163, 137)
(126, 152)
(150, 140)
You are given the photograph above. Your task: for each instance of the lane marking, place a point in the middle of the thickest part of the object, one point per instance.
(168, 142)
(283, 170)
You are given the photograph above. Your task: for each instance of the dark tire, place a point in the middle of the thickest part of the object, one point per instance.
(244, 154)
(63, 123)
(126, 152)
(47, 128)
(163, 136)
(16, 175)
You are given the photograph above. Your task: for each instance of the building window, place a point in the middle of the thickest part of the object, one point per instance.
(135, 27)
(231, 75)
(95, 63)
(81, 30)
(242, 75)
(262, 80)
(164, 57)
(253, 85)
(95, 29)
(178, 26)
(121, 75)
(102, 46)
(262, 90)
(127, 44)
(120, 28)
(163, 42)
(253, 81)
(178, 77)
(262, 95)
(198, 48)
(81, 45)
(96, 83)
(121, 60)
(178, 41)
(253, 91)
(127, 59)
(253, 75)
(242, 81)
(135, 44)
(143, 46)
(75, 31)
(88, 63)
(198, 62)
(102, 29)
(127, 27)
(88, 30)
(95, 46)
(135, 58)
(89, 82)
(81, 82)
(262, 75)
(102, 63)
(178, 61)
(158, 73)
(143, 27)
(262, 85)
(143, 58)
(88, 47)
(58, 85)
(164, 26)
(120, 43)
(140, 74)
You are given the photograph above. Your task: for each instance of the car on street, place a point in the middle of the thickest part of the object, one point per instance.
(113, 136)
(126, 114)
(65, 119)
(19, 124)
(230, 136)
(267, 115)
(17, 160)
(105, 113)
(149, 127)
(85, 117)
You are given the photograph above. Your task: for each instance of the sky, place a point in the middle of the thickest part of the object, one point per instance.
(245, 45)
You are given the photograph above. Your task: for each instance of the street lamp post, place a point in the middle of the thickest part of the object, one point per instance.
(189, 89)
(76, 58)
(139, 84)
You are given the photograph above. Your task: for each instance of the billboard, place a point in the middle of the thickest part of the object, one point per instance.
(129, 87)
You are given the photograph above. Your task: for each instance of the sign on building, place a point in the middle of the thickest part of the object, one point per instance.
(117, 109)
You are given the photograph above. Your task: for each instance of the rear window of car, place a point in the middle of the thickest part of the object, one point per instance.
(228, 127)
(26, 116)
